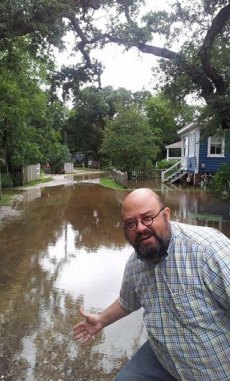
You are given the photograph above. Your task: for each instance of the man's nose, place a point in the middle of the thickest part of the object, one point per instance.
(140, 226)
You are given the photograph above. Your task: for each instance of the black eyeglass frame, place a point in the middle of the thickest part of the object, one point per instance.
(149, 223)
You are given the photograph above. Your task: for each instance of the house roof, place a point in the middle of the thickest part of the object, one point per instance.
(187, 128)
(174, 145)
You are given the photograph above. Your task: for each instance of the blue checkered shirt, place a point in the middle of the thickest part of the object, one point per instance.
(186, 301)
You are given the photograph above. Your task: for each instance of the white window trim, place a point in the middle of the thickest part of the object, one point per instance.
(222, 148)
(185, 146)
(192, 144)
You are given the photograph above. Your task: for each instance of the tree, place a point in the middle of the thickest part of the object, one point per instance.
(44, 23)
(162, 119)
(200, 64)
(88, 117)
(27, 114)
(128, 141)
(166, 118)
(86, 121)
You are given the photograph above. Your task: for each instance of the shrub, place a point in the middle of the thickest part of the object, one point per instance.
(164, 164)
(221, 181)
(6, 181)
(58, 155)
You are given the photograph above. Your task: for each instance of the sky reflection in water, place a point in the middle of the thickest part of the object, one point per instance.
(66, 250)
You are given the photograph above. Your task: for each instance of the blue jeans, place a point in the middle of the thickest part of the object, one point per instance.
(144, 366)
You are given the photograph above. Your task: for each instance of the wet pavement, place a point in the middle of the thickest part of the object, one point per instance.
(62, 250)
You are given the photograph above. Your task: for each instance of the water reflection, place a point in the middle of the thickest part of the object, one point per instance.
(65, 250)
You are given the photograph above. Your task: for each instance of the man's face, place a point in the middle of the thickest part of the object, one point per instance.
(150, 242)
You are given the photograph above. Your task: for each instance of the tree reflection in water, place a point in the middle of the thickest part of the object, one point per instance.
(43, 254)
(67, 250)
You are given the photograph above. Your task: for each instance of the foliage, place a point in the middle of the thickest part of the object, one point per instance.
(6, 199)
(221, 182)
(39, 181)
(6, 181)
(128, 140)
(194, 58)
(91, 106)
(165, 164)
(57, 156)
(193, 49)
(162, 119)
(28, 117)
(86, 121)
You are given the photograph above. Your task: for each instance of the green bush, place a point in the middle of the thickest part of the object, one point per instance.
(221, 181)
(6, 180)
(58, 155)
(164, 164)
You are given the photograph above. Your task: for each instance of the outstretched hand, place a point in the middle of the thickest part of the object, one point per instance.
(85, 330)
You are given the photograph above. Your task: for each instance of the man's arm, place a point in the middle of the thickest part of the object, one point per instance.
(93, 323)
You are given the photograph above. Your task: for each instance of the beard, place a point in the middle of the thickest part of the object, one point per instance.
(152, 252)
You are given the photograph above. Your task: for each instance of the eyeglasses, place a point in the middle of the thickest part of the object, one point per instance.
(147, 221)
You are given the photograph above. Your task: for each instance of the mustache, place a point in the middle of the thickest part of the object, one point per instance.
(144, 235)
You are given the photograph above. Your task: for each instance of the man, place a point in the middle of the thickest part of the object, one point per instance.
(180, 275)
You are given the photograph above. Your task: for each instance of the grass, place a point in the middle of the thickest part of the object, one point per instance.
(110, 183)
(5, 199)
(39, 181)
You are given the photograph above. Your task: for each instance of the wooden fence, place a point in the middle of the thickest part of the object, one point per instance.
(120, 177)
(68, 167)
(22, 175)
(144, 174)
(31, 173)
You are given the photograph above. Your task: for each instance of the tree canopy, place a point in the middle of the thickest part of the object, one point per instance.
(190, 39)
(92, 106)
(128, 140)
(31, 120)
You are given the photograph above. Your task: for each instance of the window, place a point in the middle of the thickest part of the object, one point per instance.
(215, 146)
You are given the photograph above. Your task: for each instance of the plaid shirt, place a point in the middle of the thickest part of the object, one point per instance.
(186, 301)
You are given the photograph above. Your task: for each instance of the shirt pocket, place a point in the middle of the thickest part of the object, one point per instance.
(192, 308)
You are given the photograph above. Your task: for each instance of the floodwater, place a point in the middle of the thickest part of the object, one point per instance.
(63, 250)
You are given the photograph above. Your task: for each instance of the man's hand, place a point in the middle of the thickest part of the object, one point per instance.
(93, 323)
(85, 330)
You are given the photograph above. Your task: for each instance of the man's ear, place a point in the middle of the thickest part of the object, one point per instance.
(167, 213)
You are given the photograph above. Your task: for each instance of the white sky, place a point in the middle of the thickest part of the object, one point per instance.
(129, 69)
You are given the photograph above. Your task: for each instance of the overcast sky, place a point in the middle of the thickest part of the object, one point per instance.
(129, 69)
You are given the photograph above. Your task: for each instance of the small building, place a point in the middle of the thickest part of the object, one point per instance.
(200, 157)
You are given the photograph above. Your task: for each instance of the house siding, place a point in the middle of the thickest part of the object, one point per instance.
(194, 158)
(210, 164)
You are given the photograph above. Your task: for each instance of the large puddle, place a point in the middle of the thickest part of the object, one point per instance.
(65, 250)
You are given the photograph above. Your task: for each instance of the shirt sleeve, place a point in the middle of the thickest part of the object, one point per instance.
(128, 296)
(216, 272)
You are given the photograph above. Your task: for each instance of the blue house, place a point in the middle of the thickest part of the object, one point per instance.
(200, 157)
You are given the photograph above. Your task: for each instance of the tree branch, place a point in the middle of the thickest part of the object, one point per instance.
(216, 28)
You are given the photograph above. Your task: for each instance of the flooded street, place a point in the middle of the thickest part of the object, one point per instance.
(63, 250)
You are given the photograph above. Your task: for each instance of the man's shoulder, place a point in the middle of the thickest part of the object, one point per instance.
(196, 234)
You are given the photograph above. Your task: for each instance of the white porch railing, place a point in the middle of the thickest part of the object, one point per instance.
(171, 171)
